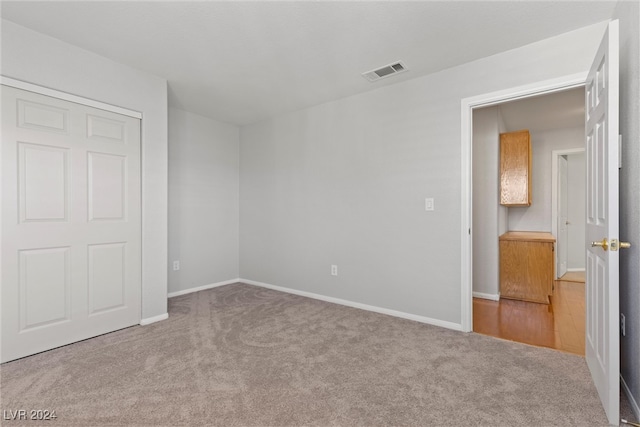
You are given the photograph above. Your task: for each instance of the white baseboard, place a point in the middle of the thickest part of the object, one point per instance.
(202, 288)
(632, 400)
(492, 297)
(403, 315)
(576, 269)
(154, 319)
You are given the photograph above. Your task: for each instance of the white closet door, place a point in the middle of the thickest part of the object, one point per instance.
(71, 227)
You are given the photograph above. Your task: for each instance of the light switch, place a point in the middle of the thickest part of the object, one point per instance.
(429, 204)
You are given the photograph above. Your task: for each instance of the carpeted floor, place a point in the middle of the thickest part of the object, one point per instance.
(240, 355)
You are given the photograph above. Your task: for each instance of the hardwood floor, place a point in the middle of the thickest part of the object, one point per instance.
(559, 325)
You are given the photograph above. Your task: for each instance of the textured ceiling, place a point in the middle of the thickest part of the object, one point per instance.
(241, 62)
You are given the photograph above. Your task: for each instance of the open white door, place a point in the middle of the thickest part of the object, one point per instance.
(562, 240)
(602, 293)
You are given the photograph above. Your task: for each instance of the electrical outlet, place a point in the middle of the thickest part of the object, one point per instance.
(176, 265)
(334, 270)
(623, 325)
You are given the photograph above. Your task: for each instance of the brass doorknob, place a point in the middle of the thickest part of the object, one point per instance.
(625, 245)
(604, 244)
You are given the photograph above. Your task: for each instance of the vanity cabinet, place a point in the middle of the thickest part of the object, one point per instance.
(527, 266)
(515, 168)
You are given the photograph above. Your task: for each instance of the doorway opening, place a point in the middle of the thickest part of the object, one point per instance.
(568, 212)
(476, 178)
(504, 304)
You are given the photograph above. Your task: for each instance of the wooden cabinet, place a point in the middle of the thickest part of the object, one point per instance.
(515, 168)
(526, 266)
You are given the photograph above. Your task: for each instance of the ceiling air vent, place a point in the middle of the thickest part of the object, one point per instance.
(386, 71)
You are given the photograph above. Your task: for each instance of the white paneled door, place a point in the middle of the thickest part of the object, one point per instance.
(602, 270)
(71, 225)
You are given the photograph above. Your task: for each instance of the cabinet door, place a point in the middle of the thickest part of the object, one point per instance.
(526, 270)
(515, 168)
(539, 271)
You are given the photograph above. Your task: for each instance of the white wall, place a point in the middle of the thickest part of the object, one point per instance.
(42, 60)
(576, 212)
(489, 217)
(629, 15)
(537, 217)
(344, 183)
(203, 200)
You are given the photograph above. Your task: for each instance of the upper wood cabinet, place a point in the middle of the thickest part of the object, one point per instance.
(515, 168)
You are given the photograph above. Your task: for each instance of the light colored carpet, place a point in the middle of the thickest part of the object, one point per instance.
(240, 355)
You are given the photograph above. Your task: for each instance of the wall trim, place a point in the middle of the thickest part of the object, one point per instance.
(492, 297)
(154, 319)
(632, 400)
(466, 136)
(381, 310)
(30, 87)
(202, 288)
(576, 269)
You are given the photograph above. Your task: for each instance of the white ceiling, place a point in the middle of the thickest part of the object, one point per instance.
(553, 111)
(241, 62)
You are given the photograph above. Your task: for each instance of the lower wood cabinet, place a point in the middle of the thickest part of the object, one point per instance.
(527, 266)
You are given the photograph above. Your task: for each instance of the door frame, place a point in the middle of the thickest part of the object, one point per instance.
(467, 106)
(554, 192)
(30, 87)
